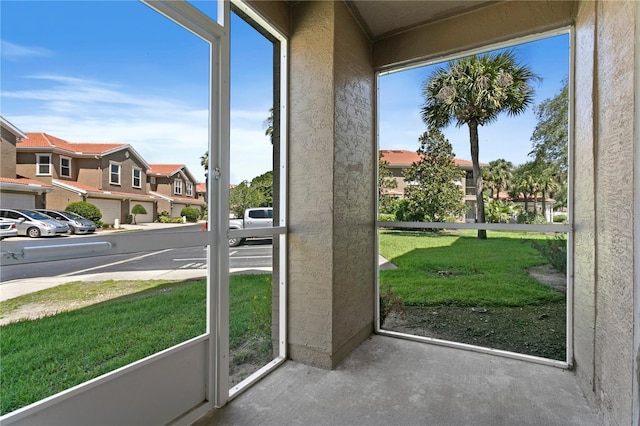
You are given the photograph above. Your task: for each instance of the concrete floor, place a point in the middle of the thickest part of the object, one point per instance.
(389, 381)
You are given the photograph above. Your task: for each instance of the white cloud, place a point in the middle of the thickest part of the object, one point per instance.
(161, 130)
(12, 51)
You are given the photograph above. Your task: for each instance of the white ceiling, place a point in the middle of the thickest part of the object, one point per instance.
(381, 18)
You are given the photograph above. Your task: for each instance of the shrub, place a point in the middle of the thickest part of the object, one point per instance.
(530, 217)
(169, 219)
(387, 217)
(191, 213)
(86, 210)
(555, 251)
(561, 218)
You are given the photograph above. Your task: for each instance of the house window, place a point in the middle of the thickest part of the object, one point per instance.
(43, 164)
(65, 166)
(152, 180)
(114, 173)
(189, 192)
(177, 187)
(137, 178)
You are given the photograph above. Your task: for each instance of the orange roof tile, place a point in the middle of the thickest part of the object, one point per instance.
(25, 181)
(91, 189)
(44, 140)
(201, 187)
(403, 157)
(164, 169)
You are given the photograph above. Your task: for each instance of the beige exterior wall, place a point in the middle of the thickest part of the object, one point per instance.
(87, 171)
(497, 22)
(332, 160)
(59, 198)
(126, 173)
(604, 216)
(7, 154)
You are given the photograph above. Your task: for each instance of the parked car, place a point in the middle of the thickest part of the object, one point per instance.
(254, 217)
(77, 224)
(35, 224)
(8, 228)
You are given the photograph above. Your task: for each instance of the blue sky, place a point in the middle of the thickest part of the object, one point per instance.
(508, 138)
(117, 71)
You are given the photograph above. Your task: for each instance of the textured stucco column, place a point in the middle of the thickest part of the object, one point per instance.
(604, 206)
(332, 160)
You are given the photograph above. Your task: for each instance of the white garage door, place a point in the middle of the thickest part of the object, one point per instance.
(110, 209)
(176, 209)
(17, 201)
(148, 206)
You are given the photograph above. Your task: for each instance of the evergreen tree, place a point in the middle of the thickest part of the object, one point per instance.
(433, 193)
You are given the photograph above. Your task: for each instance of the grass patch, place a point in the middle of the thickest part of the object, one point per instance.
(455, 287)
(449, 269)
(45, 356)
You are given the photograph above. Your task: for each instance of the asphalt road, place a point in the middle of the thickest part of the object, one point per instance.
(254, 254)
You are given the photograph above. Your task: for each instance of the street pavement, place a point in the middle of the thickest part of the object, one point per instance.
(18, 287)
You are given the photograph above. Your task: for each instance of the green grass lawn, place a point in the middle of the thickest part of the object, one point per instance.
(452, 286)
(131, 320)
(42, 357)
(459, 269)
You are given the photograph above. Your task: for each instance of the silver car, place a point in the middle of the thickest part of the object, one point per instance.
(34, 224)
(8, 228)
(77, 224)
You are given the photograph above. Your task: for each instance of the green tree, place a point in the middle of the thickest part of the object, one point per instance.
(550, 138)
(243, 196)
(433, 194)
(136, 210)
(204, 161)
(526, 184)
(474, 91)
(497, 176)
(386, 182)
(268, 124)
(264, 185)
(550, 142)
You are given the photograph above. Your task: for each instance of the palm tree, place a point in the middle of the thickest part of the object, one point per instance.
(498, 176)
(268, 123)
(474, 91)
(204, 161)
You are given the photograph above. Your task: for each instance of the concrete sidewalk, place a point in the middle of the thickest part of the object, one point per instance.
(16, 288)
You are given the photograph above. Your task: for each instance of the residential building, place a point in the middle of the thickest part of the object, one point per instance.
(17, 192)
(112, 176)
(174, 187)
(401, 159)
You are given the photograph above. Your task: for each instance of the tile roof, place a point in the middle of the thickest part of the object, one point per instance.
(403, 157)
(164, 169)
(93, 190)
(176, 199)
(44, 140)
(25, 181)
(201, 187)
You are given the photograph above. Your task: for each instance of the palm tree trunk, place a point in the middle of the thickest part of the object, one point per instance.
(477, 177)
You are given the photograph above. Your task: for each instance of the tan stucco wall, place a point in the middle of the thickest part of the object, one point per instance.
(497, 22)
(331, 178)
(60, 198)
(7, 155)
(604, 216)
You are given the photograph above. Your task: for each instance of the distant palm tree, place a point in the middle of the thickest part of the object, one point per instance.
(474, 91)
(204, 160)
(498, 176)
(268, 123)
